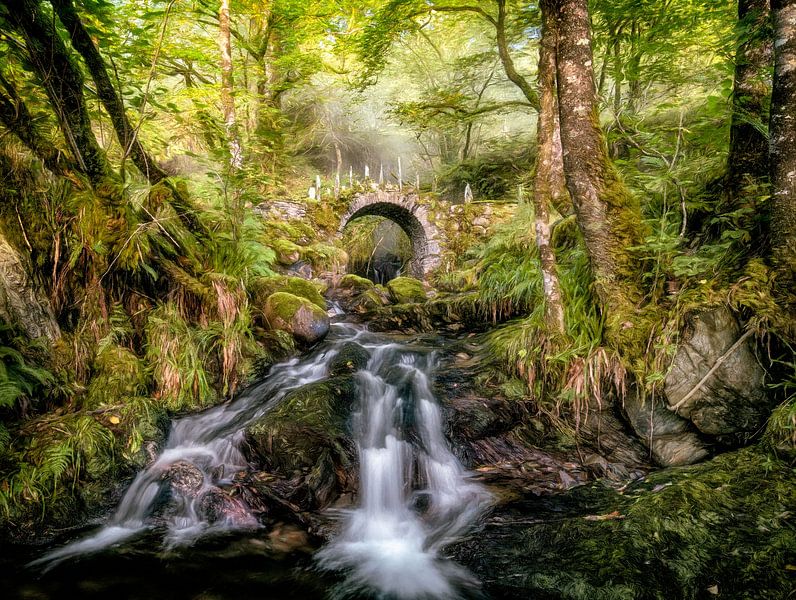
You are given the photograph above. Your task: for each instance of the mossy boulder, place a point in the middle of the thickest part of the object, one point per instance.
(407, 289)
(723, 528)
(355, 283)
(262, 287)
(287, 253)
(306, 438)
(304, 320)
(351, 358)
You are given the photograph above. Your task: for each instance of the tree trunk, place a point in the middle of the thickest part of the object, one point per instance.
(748, 156)
(607, 214)
(227, 100)
(63, 83)
(549, 181)
(106, 91)
(783, 144)
(20, 301)
(15, 116)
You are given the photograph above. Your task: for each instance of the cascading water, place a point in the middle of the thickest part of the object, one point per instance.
(415, 496)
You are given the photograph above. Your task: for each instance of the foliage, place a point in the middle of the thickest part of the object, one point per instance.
(726, 522)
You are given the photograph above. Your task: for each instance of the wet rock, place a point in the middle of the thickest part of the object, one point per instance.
(351, 358)
(407, 289)
(216, 505)
(306, 439)
(732, 400)
(185, 478)
(670, 438)
(286, 538)
(307, 322)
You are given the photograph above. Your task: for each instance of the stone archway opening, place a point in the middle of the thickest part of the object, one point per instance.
(406, 212)
(378, 248)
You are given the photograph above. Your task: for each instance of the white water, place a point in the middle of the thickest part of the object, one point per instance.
(389, 542)
(414, 495)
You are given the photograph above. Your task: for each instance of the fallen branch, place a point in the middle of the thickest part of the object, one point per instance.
(713, 369)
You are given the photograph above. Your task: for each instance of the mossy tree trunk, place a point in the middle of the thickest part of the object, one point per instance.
(20, 301)
(607, 214)
(106, 91)
(14, 114)
(748, 154)
(62, 81)
(549, 181)
(227, 99)
(782, 130)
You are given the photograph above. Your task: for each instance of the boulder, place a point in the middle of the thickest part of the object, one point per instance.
(262, 287)
(217, 506)
(351, 358)
(185, 478)
(670, 438)
(407, 289)
(306, 439)
(287, 253)
(307, 322)
(355, 283)
(732, 400)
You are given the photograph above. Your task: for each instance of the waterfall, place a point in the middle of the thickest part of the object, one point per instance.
(414, 498)
(415, 495)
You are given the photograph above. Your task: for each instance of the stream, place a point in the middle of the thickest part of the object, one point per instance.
(414, 499)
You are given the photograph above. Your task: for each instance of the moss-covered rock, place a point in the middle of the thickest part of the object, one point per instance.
(407, 289)
(324, 257)
(287, 253)
(304, 320)
(351, 358)
(355, 283)
(723, 528)
(307, 438)
(262, 287)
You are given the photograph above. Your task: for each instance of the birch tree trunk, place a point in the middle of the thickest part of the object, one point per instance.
(782, 131)
(549, 181)
(607, 214)
(227, 99)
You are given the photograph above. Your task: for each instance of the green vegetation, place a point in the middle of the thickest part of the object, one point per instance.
(725, 523)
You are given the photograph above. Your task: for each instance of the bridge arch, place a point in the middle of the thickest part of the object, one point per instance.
(409, 214)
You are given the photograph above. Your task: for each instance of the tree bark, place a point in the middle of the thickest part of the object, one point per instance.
(227, 99)
(607, 214)
(20, 301)
(783, 144)
(15, 116)
(549, 181)
(63, 83)
(106, 91)
(748, 155)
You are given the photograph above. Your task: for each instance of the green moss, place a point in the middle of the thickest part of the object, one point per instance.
(308, 422)
(287, 252)
(407, 289)
(262, 287)
(284, 305)
(355, 282)
(324, 257)
(727, 523)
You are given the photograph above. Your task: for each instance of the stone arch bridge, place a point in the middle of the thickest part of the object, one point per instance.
(407, 211)
(437, 229)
